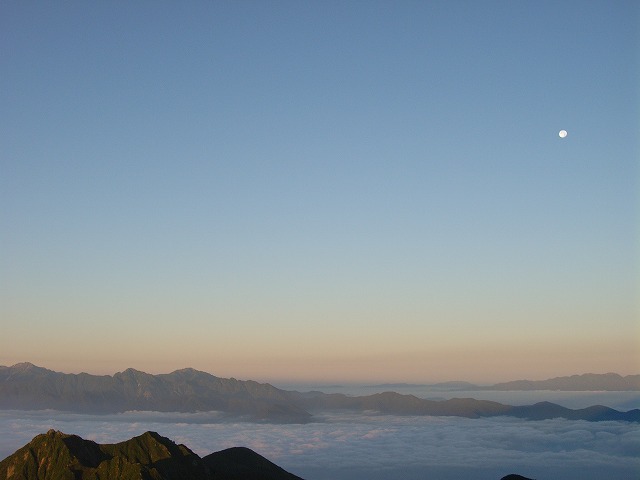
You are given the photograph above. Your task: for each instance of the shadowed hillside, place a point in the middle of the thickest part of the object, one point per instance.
(241, 463)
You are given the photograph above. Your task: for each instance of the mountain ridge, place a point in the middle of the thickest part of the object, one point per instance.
(28, 387)
(584, 382)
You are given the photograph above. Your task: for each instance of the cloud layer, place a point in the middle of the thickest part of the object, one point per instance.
(349, 446)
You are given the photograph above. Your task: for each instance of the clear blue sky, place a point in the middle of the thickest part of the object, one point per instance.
(321, 190)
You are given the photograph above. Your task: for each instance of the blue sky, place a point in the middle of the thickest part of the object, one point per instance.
(321, 190)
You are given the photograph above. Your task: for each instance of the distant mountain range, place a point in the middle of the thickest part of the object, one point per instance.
(588, 382)
(57, 456)
(393, 403)
(28, 387)
(577, 383)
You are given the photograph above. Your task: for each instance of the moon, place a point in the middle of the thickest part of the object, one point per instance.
(562, 133)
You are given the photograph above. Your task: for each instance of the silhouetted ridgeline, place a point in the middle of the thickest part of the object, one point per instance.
(27, 387)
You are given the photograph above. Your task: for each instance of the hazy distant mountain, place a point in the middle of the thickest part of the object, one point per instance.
(27, 387)
(449, 386)
(576, 383)
(58, 456)
(586, 382)
(397, 404)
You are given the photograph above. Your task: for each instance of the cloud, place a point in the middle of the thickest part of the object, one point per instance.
(351, 446)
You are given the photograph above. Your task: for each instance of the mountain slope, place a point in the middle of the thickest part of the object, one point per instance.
(241, 463)
(58, 456)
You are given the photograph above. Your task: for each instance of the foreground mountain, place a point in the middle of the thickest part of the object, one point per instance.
(58, 456)
(27, 387)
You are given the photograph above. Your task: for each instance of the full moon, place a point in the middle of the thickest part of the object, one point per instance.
(562, 133)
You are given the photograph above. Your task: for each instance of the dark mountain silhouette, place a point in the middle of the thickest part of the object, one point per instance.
(241, 463)
(58, 456)
(587, 382)
(27, 387)
(596, 413)
(513, 476)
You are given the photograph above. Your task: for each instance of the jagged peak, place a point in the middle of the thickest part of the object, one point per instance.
(149, 434)
(131, 372)
(51, 434)
(150, 437)
(23, 366)
(27, 367)
(190, 371)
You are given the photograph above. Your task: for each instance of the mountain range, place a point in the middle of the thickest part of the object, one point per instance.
(28, 387)
(58, 456)
(150, 456)
(611, 382)
(588, 382)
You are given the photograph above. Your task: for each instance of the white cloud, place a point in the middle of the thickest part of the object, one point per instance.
(350, 446)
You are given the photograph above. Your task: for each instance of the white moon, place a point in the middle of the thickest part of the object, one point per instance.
(562, 133)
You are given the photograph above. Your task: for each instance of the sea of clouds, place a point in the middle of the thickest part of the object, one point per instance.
(372, 446)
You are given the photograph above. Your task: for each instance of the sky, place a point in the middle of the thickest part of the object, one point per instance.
(328, 191)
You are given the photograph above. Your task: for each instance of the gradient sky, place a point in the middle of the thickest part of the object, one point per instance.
(328, 191)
